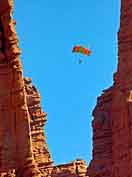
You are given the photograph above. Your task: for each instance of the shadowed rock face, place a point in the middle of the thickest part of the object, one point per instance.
(101, 163)
(5, 5)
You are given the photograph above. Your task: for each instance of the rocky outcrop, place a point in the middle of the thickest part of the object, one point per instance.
(15, 130)
(37, 121)
(77, 168)
(122, 104)
(101, 163)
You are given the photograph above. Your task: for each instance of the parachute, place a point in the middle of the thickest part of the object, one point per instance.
(81, 49)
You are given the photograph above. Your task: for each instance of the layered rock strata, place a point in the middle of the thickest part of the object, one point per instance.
(77, 168)
(37, 121)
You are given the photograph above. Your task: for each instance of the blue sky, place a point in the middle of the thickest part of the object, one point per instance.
(47, 30)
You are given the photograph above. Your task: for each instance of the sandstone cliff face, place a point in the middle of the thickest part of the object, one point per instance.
(122, 101)
(101, 163)
(15, 130)
(37, 122)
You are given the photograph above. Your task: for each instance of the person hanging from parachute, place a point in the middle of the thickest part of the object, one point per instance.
(80, 49)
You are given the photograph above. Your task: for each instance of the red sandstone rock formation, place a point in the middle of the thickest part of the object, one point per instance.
(76, 168)
(37, 122)
(101, 163)
(15, 132)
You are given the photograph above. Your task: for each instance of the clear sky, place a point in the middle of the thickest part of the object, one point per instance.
(48, 29)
